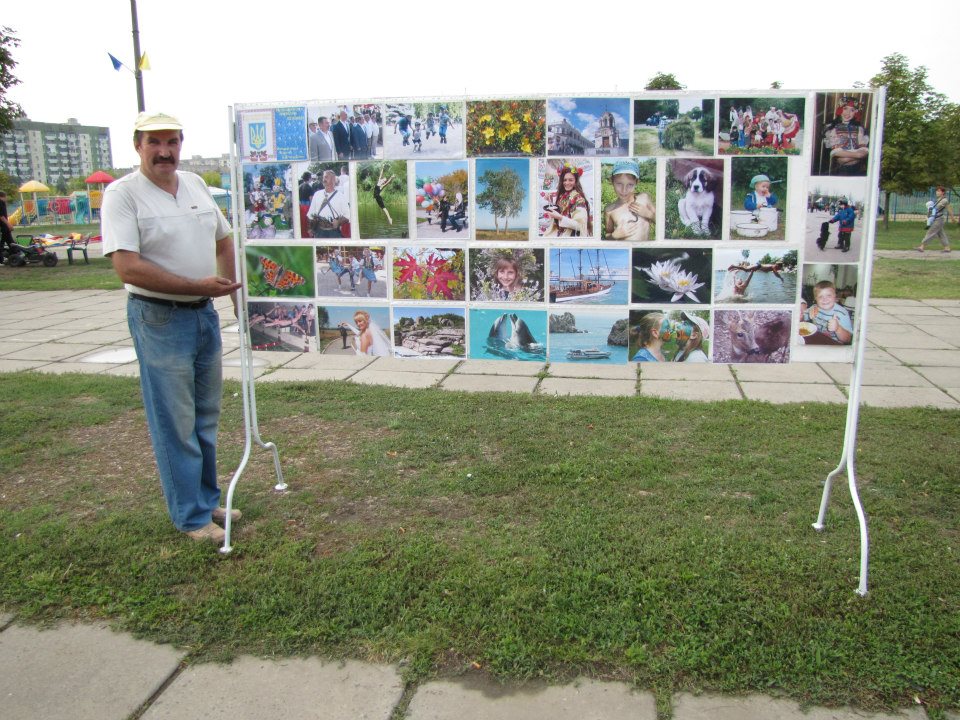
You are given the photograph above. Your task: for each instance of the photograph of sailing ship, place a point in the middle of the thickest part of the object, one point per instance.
(593, 276)
(597, 336)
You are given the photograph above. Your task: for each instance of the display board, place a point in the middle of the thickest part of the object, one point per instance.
(652, 227)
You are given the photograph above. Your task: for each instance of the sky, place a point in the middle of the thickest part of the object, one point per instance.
(208, 56)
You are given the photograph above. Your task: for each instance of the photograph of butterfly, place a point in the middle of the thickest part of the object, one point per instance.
(280, 270)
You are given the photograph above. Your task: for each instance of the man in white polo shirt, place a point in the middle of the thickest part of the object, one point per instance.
(172, 247)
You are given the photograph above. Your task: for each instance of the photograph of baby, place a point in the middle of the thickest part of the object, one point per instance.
(503, 199)
(506, 127)
(751, 336)
(628, 192)
(841, 145)
(671, 275)
(693, 199)
(578, 335)
(280, 270)
(354, 330)
(828, 299)
(674, 126)
(424, 130)
(351, 270)
(761, 126)
(590, 276)
(669, 335)
(506, 275)
(508, 335)
(382, 200)
(755, 275)
(324, 198)
(566, 198)
(344, 132)
(283, 326)
(835, 221)
(758, 197)
(588, 126)
(441, 199)
(429, 332)
(428, 273)
(268, 201)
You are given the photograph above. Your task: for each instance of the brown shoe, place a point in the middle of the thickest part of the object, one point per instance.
(946, 249)
(220, 515)
(207, 532)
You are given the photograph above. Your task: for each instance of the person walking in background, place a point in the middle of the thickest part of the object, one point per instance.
(937, 229)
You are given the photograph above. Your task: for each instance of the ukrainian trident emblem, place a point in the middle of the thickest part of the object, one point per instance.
(257, 133)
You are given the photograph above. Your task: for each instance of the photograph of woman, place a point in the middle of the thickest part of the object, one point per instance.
(566, 213)
(369, 338)
(649, 337)
(692, 348)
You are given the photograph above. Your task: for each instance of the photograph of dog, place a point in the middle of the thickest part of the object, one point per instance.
(753, 336)
(835, 219)
(694, 198)
(824, 236)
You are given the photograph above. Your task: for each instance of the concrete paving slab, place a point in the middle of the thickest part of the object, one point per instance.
(100, 337)
(875, 355)
(936, 358)
(942, 303)
(286, 374)
(914, 339)
(684, 371)
(593, 370)
(131, 370)
(233, 373)
(81, 672)
(908, 313)
(499, 367)
(588, 386)
(440, 365)
(330, 362)
(773, 373)
(490, 383)
(888, 303)
(41, 335)
(81, 324)
(891, 397)
(368, 376)
(18, 365)
(879, 317)
(5, 618)
(942, 377)
(481, 699)
(113, 354)
(782, 392)
(51, 352)
(290, 689)
(59, 368)
(707, 390)
(880, 375)
(761, 707)
(949, 333)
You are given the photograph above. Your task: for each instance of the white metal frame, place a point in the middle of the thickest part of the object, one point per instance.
(849, 452)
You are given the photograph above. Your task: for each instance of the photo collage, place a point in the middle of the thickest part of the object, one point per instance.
(660, 227)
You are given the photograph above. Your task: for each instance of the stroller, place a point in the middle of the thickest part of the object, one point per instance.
(34, 253)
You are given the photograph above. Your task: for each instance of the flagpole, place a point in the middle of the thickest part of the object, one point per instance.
(137, 73)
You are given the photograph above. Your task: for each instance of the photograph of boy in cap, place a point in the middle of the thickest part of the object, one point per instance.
(631, 215)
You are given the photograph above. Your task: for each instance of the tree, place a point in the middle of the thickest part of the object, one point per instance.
(503, 194)
(9, 110)
(664, 81)
(8, 185)
(776, 85)
(212, 178)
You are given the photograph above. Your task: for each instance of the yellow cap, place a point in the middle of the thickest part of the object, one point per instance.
(156, 121)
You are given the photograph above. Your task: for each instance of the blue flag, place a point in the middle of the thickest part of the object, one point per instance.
(116, 63)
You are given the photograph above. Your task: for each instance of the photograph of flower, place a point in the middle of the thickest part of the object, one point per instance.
(503, 199)
(693, 200)
(761, 126)
(506, 127)
(283, 326)
(428, 273)
(268, 197)
(280, 270)
(442, 202)
(506, 275)
(759, 190)
(565, 198)
(670, 335)
(588, 126)
(671, 275)
(429, 332)
(673, 126)
(628, 193)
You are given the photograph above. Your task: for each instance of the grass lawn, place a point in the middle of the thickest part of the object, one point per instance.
(664, 543)
(916, 279)
(93, 229)
(98, 275)
(908, 234)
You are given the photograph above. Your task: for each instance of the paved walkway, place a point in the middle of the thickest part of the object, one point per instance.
(912, 359)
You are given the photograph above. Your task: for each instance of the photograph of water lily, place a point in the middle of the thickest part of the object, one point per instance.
(506, 127)
(428, 273)
(588, 126)
(671, 275)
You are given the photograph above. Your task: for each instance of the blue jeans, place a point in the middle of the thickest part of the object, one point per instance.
(179, 350)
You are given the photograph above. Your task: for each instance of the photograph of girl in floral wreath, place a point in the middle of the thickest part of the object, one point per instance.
(761, 126)
(429, 332)
(758, 197)
(508, 335)
(588, 126)
(628, 192)
(506, 127)
(280, 270)
(382, 200)
(283, 326)
(670, 335)
(671, 275)
(673, 126)
(442, 200)
(268, 197)
(842, 140)
(578, 335)
(428, 273)
(565, 198)
(506, 275)
(503, 199)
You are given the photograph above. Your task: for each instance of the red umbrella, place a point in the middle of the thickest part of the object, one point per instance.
(100, 177)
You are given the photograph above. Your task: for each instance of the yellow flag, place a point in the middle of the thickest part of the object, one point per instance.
(144, 62)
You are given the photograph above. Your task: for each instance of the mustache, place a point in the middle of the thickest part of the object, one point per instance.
(159, 160)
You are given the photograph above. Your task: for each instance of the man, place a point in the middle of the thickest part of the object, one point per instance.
(172, 248)
(322, 145)
(372, 130)
(6, 229)
(358, 139)
(329, 208)
(341, 136)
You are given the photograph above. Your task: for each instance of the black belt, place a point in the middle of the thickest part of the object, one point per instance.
(189, 305)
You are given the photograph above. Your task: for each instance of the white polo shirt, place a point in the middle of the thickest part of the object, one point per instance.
(177, 233)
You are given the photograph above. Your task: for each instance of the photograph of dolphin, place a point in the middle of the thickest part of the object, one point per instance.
(517, 335)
